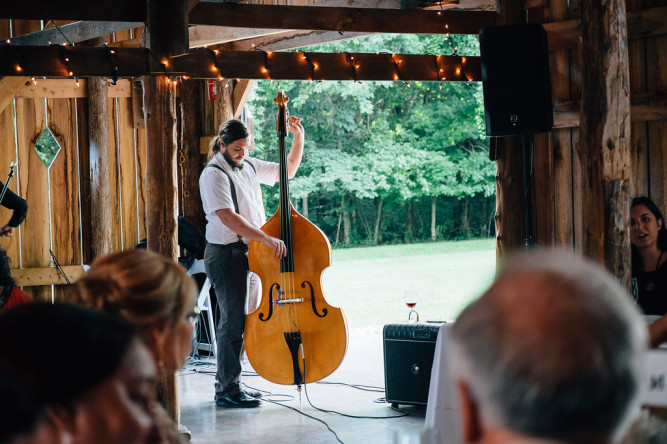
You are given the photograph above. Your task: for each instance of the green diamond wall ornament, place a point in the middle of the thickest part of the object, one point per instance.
(47, 147)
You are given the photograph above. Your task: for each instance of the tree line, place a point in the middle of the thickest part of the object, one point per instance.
(386, 162)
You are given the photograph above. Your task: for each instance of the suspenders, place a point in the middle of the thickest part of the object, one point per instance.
(231, 185)
(231, 182)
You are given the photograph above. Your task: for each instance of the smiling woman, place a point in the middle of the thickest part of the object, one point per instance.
(648, 236)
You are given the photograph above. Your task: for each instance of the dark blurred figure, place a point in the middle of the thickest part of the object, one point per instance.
(10, 294)
(74, 376)
(552, 353)
(19, 208)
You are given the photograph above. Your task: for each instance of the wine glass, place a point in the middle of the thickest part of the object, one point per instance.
(411, 302)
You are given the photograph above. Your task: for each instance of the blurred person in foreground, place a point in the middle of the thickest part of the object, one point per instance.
(552, 353)
(74, 376)
(156, 294)
(10, 294)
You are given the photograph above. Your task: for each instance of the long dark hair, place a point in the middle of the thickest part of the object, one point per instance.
(228, 132)
(662, 232)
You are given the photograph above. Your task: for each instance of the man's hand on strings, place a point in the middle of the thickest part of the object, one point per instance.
(278, 247)
(6, 231)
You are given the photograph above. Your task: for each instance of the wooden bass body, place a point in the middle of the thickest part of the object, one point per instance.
(294, 336)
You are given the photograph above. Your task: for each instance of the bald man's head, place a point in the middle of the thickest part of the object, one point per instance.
(553, 349)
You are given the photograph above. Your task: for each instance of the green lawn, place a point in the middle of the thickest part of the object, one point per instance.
(371, 283)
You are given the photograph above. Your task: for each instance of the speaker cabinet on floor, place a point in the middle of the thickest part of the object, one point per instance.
(516, 80)
(408, 357)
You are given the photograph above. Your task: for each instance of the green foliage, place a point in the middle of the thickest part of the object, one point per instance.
(400, 145)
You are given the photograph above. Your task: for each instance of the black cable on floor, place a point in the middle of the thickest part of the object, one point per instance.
(309, 416)
(305, 387)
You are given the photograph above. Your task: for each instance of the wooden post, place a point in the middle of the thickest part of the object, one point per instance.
(510, 230)
(189, 157)
(166, 36)
(161, 205)
(604, 137)
(100, 183)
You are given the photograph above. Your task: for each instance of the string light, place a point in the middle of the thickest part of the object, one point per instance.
(353, 67)
(114, 70)
(215, 67)
(397, 75)
(65, 59)
(34, 81)
(265, 69)
(313, 66)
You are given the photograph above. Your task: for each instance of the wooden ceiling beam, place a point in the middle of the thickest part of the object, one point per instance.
(204, 35)
(327, 66)
(413, 21)
(59, 61)
(288, 40)
(643, 23)
(118, 11)
(9, 86)
(200, 63)
(73, 32)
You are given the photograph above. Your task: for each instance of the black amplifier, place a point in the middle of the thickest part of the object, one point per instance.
(408, 357)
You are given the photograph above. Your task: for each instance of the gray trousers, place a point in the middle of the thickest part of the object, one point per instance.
(227, 269)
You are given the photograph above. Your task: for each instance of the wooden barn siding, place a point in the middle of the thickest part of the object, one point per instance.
(56, 224)
(558, 205)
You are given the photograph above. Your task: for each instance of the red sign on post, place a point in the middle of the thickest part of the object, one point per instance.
(212, 89)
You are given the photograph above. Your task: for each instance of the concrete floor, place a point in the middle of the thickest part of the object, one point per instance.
(286, 416)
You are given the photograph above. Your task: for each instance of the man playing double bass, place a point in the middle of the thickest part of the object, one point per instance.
(232, 200)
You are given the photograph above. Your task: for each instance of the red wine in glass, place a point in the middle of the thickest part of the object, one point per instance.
(411, 304)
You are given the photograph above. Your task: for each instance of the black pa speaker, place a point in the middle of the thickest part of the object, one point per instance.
(515, 80)
(408, 357)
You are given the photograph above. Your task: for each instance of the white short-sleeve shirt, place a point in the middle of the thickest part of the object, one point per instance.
(216, 195)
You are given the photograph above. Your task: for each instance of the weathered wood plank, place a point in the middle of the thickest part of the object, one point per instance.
(413, 21)
(9, 87)
(639, 130)
(604, 138)
(656, 58)
(543, 189)
(288, 40)
(141, 181)
(161, 176)
(122, 11)
(114, 180)
(47, 275)
(34, 182)
(84, 179)
(645, 107)
(64, 185)
(74, 33)
(8, 155)
(100, 147)
(242, 89)
(200, 63)
(203, 35)
(67, 88)
(128, 173)
(641, 23)
(189, 158)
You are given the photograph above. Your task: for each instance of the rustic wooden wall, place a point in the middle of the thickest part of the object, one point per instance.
(557, 198)
(59, 198)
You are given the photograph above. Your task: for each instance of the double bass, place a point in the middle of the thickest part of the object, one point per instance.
(294, 336)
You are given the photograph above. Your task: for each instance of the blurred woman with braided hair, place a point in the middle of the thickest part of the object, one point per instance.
(152, 292)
